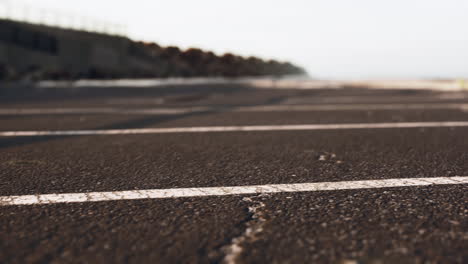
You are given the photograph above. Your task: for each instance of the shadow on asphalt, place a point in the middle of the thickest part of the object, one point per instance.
(58, 94)
(27, 95)
(131, 124)
(31, 94)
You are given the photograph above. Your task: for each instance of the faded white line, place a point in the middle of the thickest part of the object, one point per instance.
(224, 191)
(253, 227)
(309, 127)
(258, 108)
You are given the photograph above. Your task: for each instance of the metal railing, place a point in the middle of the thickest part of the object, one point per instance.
(17, 11)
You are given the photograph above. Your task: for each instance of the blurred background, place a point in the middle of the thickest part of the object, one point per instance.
(362, 39)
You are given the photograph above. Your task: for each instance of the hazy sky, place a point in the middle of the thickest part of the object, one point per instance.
(330, 38)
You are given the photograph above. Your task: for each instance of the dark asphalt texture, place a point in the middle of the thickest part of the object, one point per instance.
(393, 225)
(221, 118)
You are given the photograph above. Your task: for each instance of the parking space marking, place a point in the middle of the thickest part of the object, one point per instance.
(307, 127)
(225, 191)
(257, 108)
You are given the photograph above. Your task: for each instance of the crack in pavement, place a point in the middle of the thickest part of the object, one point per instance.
(253, 227)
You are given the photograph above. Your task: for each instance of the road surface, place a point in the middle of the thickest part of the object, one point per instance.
(233, 174)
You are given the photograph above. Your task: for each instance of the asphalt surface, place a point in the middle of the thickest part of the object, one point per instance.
(406, 224)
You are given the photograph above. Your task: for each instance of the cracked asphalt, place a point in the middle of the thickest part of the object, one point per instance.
(392, 225)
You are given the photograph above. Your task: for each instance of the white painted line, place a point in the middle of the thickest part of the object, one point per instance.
(351, 107)
(232, 129)
(224, 191)
(100, 110)
(259, 108)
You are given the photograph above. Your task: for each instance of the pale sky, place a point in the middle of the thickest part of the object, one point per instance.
(330, 38)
